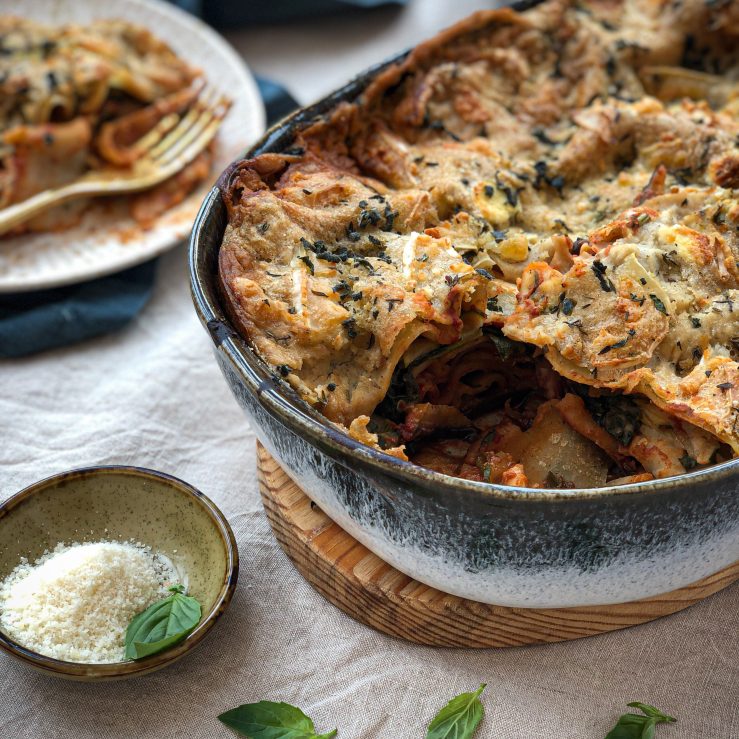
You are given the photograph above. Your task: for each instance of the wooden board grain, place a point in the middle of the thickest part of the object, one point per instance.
(369, 590)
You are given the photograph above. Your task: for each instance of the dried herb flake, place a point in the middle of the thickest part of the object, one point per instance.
(658, 304)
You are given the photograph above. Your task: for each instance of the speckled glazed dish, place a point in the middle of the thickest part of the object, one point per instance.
(501, 545)
(120, 504)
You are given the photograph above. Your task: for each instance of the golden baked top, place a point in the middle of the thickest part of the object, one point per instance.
(565, 178)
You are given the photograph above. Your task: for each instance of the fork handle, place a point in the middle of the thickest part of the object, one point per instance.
(14, 215)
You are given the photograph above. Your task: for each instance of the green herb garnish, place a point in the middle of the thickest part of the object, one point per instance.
(493, 306)
(634, 726)
(619, 344)
(617, 414)
(162, 625)
(658, 304)
(599, 270)
(308, 264)
(459, 718)
(268, 720)
(403, 391)
(503, 345)
(688, 462)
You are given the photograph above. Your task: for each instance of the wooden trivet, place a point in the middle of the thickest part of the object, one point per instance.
(369, 590)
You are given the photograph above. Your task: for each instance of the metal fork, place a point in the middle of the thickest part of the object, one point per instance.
(172, 144)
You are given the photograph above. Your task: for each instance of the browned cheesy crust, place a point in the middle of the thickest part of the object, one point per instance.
(77, 98)
(565, 179)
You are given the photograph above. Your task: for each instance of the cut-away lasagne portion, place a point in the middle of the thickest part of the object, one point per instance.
(514, 258)
(78, 98)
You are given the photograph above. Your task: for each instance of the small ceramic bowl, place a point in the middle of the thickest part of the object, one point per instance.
(121, 504)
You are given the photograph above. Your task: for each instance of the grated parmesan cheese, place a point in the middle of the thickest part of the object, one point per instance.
(75, 603)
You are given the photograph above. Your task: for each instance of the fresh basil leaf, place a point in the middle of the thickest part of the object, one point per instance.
(663, 718)
(634, 726)
(162, 625)
(631, 726)
(459, 718)
(268, 720)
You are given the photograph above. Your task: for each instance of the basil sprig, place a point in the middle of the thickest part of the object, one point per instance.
(268, 720)
(162, 625)
(459, 718)
(634, 726)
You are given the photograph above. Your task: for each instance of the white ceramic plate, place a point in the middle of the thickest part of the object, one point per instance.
(108, 240)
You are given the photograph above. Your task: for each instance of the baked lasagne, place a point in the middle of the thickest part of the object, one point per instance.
(78, 98)
(514, 258)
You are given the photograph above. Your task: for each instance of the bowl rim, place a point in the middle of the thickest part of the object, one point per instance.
(94, 671)
(283, 403)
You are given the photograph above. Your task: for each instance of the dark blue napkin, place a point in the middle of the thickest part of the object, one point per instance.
(230, 13)
(47, 319)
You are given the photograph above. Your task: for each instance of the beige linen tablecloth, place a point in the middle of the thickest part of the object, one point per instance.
(152, 395)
